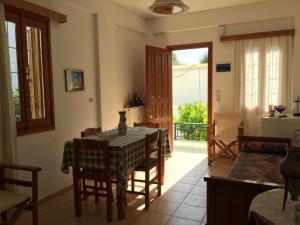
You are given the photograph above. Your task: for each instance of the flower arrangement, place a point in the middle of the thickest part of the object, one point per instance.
(280, 109)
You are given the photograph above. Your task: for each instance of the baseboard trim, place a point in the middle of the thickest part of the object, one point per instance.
(55, 194)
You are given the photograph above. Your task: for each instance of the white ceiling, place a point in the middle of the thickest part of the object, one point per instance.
(140, 7)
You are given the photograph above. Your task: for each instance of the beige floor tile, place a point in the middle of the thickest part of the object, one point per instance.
(189, 180)
(151, 218)
(163, 207)
(173, 196)
(195, 173)
(195, 200)
(180, 187)
(201, 182)
(180, 221)
(190, 212)
(199, 190)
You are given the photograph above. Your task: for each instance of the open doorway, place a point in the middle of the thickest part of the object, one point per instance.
(191, 96)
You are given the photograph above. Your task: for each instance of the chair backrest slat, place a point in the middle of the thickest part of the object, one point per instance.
(91, 131)
(153, 145)
(91, 154)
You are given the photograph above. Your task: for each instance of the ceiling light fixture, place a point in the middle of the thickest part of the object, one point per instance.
(168, 7)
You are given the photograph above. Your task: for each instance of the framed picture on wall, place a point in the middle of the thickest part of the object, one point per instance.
(74, 80)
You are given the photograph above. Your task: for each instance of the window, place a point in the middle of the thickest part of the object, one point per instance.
(31, 73)
(263, 76)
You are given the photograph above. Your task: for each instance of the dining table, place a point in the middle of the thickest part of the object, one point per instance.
(127, 151)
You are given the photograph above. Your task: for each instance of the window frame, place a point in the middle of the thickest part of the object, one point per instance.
(23, 18)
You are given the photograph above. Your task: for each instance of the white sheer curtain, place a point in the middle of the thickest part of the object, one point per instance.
(263, 77)
(7, 114)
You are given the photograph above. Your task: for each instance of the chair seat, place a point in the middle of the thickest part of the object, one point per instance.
(9, 200)
(225, 139)
(141, 167)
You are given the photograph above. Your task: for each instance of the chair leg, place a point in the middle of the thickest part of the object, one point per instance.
(4, 217)
(109, 209)
(147, 189)
(159, 181)
(132, 180)
(77, 195)
(96, 191)
(109, 201)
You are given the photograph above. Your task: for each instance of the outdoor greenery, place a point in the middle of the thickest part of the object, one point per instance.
(204, 59)
(16, 96)
(175, 60)
(192, 113)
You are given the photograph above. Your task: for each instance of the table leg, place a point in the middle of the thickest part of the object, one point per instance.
(121, 203)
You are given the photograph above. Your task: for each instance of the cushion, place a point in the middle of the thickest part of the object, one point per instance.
(265, 147)
(10, 199)
(258, 167)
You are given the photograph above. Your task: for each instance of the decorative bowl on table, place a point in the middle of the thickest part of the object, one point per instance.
(281, 110)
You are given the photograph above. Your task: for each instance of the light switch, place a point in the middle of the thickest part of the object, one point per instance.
(218, 95)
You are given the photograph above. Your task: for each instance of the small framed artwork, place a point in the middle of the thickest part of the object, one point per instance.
(74, 80)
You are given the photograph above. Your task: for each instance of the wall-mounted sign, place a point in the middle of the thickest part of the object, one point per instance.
(223, 67)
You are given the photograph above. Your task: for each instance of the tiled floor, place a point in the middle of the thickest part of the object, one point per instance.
(183, 200)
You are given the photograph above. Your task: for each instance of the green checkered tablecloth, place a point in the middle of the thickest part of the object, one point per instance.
(127, 151)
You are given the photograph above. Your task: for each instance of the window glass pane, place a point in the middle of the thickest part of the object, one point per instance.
(251, 81)
(272, 78)
(35, 72)
(11, 33)
(11, 30)
(13, 60)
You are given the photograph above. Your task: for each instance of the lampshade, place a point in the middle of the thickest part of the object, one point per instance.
(168, 7)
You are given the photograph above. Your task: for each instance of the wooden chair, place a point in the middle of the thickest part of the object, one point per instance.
(91, 131)
(10, 200)
(84, 168)
(223, 133)
(146, 124)
(153, 147)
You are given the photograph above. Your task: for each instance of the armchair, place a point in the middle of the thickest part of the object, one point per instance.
(11, 200)
(222, 133)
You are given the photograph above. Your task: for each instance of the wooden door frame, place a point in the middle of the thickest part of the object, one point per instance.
(208, 45)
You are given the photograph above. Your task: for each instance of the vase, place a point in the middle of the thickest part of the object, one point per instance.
(122, 127)
(290, 170)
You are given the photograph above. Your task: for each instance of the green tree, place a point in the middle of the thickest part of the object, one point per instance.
(192, 113)
(175, 60)
(204, 59)
(16, 96)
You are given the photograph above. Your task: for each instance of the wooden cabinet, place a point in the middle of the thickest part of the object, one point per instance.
(280, 127)
(135, 114)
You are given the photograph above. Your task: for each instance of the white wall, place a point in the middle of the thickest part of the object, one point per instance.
(122, 37)
(190, 84)
(203, 27)
(73, 46)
